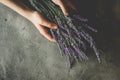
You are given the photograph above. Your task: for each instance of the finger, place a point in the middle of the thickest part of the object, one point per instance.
(47, 23)
(45, 33)
(71, 5)
(63, 7)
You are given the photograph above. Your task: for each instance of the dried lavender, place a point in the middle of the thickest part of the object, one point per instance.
(72, 35)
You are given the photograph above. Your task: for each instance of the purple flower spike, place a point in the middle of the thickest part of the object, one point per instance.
(80, 18)
(72, 36)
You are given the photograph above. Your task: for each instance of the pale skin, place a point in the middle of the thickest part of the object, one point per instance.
(36, 18)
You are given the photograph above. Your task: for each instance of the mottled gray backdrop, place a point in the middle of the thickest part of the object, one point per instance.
(26, 55)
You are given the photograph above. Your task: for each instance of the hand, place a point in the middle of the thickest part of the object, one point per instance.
(41, 23)
(64, 5)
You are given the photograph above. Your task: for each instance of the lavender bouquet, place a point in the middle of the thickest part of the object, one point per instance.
(72, 36)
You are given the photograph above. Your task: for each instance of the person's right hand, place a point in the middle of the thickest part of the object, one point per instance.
(41, 23)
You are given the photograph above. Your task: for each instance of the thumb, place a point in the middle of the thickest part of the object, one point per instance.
(63, 7)
(43, 30)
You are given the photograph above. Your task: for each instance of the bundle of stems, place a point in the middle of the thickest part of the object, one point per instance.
(72, 36)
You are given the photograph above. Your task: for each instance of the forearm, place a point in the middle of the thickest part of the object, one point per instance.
(18, 7)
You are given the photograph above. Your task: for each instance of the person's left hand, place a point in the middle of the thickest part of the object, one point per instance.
(64, 5)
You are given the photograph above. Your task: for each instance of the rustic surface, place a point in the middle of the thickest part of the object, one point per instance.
(26, 55)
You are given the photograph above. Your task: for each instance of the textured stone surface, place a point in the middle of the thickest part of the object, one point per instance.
(26, 55)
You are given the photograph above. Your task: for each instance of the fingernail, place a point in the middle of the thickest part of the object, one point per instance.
(55, 27)
(67, 14)
(53, 40)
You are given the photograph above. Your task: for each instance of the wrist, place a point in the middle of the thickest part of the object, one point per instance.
(30, 15)
(18, 7)
(27, 13)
